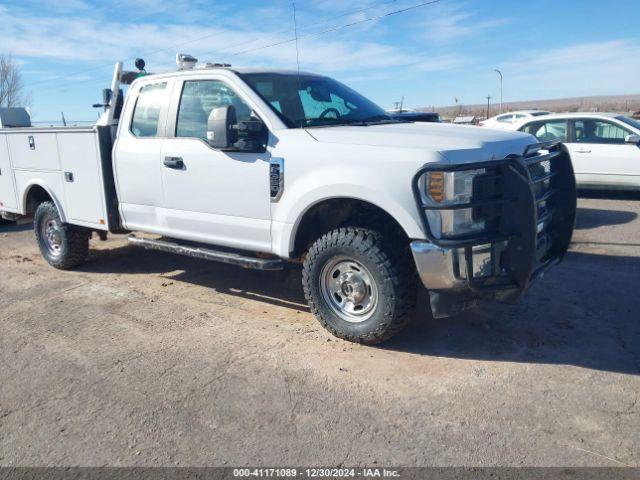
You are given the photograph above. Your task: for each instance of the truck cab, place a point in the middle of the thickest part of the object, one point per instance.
(263, 167)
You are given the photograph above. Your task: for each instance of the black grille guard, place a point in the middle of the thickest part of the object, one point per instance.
(537, 213)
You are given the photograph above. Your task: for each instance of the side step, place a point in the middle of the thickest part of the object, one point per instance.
(208, 254)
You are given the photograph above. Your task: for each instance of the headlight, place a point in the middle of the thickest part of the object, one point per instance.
(450, 189)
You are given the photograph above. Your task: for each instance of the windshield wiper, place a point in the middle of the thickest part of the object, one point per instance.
(375, 119)
(361, 122)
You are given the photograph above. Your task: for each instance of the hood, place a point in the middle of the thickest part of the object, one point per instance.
(438, 137)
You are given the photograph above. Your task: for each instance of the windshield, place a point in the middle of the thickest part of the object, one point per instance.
(629, 121)
(312, 101)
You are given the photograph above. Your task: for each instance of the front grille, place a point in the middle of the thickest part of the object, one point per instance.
(543, 166)
(528, 204)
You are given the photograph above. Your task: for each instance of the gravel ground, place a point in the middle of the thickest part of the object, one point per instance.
(143, 358)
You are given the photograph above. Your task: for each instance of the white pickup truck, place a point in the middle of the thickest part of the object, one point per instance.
(259, 168)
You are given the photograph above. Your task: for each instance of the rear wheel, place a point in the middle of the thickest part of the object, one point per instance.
(357, 287)
(62, 245)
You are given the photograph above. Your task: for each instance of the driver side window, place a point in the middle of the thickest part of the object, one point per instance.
(199, 98)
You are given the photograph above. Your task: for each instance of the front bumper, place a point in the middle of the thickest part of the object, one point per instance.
(437, 267)
(532, 217)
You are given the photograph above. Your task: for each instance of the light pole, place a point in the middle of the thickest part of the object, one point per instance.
(500, 73)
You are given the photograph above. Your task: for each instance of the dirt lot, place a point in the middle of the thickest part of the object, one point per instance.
(144, 358)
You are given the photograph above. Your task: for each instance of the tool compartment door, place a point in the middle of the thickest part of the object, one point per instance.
(7, 186)
(82, 178)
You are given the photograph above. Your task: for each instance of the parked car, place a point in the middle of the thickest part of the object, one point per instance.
(429, 117)
(258, 168)
(465, 120)
(505, 121)
(604, 147)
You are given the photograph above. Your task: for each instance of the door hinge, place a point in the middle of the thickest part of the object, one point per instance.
(276, 178)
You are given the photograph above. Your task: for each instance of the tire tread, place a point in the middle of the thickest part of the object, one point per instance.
(395, 268)
(77, 239)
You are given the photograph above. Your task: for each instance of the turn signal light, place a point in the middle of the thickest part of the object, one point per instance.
(435, 186)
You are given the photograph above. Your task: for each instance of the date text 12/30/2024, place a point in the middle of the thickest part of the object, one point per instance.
(316, 472)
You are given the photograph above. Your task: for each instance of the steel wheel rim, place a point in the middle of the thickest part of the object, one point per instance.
(51, 231)
(349, 289)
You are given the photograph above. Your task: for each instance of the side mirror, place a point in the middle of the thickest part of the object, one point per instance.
(252, 135)
(632, 139)
(224, 132)
(221, 131)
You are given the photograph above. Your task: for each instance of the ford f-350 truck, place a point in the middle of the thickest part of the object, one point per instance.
(259, 168)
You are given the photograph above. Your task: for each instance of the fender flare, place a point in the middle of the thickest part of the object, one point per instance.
(405, 220)
(52, 195)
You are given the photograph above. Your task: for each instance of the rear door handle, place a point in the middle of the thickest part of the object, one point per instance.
(173, 162)
(583, 151)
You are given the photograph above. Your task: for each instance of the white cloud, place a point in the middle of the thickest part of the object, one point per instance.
(57, 40)
(83, 39)
(448, 22)
(576, 70)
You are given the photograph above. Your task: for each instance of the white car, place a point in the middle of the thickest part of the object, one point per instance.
(258, 168)
(506, 121)
(604, 147)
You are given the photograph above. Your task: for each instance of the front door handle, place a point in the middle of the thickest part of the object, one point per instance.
(583, 151)
(173, 162)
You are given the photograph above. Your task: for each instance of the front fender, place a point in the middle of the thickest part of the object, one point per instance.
(396, 199)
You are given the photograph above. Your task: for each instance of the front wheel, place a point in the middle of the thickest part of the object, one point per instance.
(356, 287)
(62, 245)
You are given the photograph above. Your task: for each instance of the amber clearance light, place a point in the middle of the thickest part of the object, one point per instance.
(435, 186)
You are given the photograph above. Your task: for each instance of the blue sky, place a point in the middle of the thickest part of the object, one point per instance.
(430, 55)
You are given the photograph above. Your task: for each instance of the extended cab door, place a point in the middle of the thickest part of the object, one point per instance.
(212, 196)
(137, 156)
(600, 155)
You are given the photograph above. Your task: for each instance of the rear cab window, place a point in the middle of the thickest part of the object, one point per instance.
(146, 114)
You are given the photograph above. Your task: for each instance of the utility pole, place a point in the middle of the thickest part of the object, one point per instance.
(500, 74)
(488, 100)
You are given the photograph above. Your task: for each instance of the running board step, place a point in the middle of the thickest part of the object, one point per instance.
(208, 254)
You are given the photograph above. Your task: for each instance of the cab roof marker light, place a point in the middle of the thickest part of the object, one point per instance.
(185, 61)
(213, 65)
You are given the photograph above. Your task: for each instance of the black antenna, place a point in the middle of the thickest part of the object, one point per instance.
(295, 31)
